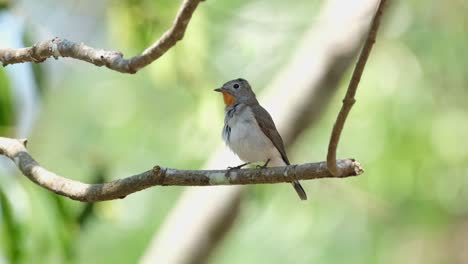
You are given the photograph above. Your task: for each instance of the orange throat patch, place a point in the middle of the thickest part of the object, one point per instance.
(228, 99)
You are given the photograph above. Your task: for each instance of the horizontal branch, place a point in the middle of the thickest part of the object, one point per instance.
(15, 149)
(58, 47)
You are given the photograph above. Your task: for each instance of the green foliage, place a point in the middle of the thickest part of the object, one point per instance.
(6, 105)
(4, 4)
(10, 230)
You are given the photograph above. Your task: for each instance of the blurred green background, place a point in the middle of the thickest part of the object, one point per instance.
(407, 129)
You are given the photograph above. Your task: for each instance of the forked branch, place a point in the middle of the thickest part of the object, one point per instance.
(114, 60)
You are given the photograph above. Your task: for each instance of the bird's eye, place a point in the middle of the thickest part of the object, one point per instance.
(236, 86)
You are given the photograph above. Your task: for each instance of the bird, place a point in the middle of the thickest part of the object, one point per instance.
(250, 132)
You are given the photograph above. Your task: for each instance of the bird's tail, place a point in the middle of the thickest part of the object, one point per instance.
(300, 191)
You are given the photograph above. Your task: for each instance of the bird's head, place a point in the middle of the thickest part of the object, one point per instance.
(237, 91)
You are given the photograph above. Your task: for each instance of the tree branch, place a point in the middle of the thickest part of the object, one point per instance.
(349, 100)
(58, 47)
(311, 76)
(15, 149)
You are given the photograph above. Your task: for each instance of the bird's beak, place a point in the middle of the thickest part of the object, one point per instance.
(220, 90)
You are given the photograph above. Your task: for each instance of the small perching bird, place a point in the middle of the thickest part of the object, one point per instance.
(249, 130)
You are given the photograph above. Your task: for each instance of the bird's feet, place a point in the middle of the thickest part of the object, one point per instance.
(238, 167)
(264, 165)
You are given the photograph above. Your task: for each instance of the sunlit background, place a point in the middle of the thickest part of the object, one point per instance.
(408, 129)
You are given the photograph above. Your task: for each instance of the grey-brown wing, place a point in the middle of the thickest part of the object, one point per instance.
(268, 127)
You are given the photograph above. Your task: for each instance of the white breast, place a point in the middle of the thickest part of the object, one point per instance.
(247, 140)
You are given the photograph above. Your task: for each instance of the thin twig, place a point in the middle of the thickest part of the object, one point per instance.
(16, 150)
(59, 47)
(349, 100)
